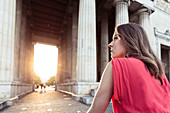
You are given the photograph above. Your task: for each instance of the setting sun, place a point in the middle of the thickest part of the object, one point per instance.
(45, 61)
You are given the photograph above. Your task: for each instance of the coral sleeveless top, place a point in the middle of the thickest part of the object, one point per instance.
(136, 90)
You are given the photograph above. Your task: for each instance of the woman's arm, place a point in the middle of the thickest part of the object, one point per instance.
(104, 92)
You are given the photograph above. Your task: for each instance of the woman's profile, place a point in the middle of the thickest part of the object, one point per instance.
(134, 79)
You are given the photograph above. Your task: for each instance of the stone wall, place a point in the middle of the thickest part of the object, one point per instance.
(16, 58)
(159, 21)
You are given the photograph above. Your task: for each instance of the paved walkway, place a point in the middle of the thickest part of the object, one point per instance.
(48, 101)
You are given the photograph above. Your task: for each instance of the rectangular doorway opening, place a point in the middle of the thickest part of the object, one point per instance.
(45, 62)
(165, 57)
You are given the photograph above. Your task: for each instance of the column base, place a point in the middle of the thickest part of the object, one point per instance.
(78, 88)
(80, 91)
(14, 89)
(11, 92)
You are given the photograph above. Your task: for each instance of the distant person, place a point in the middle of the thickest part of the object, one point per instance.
(44, 87)
(41, 85)
(37, 86)
(134, 79)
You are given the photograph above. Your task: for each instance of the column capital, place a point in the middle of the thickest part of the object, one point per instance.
(115, 2)
(144, 10)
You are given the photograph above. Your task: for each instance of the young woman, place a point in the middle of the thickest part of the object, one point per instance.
(134, 79)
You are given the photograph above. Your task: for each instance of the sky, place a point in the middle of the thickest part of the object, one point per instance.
(45, 61)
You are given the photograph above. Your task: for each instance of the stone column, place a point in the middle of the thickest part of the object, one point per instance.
(74, 40)
(122, 15)
(7, 29)
(144, 21)
(69, 50)
(86, 51)
(59, 61)
(32, 63)
(23, 49)
(17, 37)
(104, 41)
(29, 51)
(7, 43)
(64, 56)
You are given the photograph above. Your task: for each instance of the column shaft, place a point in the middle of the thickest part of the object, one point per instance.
(64, 55)
(144, 21)
(86, 53)
(104, 41)
(7, 29)
(17, 38)
(121, 12)
(59, 61)
(69, 50)
(74, 40)
(22, 60)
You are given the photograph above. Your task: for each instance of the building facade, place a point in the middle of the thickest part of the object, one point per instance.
(81, 30)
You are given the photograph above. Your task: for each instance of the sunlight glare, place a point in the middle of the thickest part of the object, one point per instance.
(45, 61)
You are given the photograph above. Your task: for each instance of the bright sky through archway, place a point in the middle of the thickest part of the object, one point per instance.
(45, 61)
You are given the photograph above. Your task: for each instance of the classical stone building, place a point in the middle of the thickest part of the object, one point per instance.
(81, 30)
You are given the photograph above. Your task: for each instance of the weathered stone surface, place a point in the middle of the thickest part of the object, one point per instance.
(122, 15)
(104, 42)
(86, 49)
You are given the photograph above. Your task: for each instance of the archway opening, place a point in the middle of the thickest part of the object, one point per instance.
(45, 63)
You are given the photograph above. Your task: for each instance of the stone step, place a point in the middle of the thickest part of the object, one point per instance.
(86, 99)
(3, 104)
(93, 92)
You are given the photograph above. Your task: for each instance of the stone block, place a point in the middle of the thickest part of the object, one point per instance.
(5, 91)
(93, 92)
(87, 100)
(3, 104)
(11, 101)
(80, 88)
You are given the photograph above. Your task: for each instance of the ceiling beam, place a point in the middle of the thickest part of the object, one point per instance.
(46, 16)
(45, 26)
(45, 30)
(45, 34)
(50, 4)
(46, 21)
(47, 10)
(60, 1)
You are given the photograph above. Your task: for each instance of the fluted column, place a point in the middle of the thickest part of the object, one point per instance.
(23, 47)
(104, 41)
(17, 37)
(144, 20)
(69, 50)
(74, 39)
(7, 29)
(64, 56)
(86, 53)
(59, 66)
(122, 15)
(32, 63)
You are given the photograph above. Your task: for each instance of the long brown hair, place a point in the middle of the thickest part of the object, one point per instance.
(136, 41)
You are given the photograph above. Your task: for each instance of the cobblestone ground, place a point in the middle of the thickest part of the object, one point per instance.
(48, 101)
